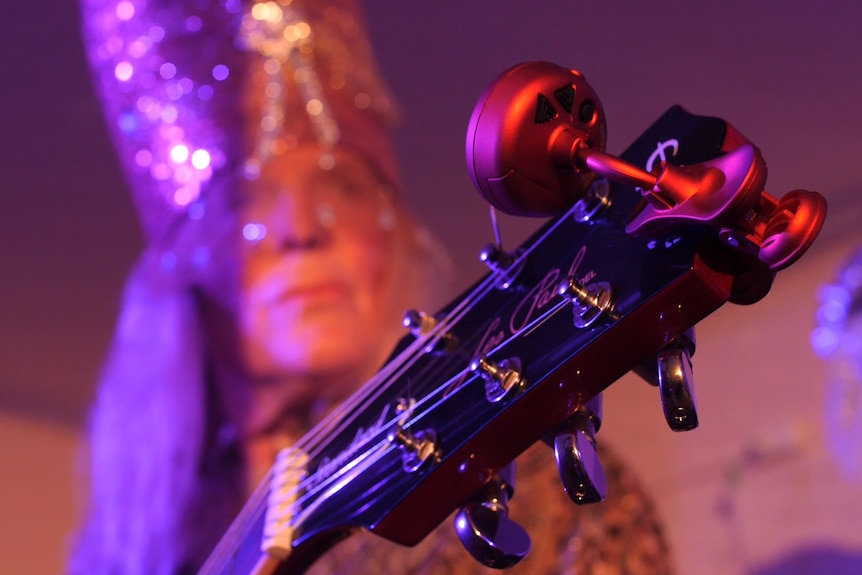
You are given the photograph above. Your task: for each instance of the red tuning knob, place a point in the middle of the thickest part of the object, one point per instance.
(515, 124)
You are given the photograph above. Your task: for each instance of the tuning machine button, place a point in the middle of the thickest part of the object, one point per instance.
(578, 461)
(420, 324)
(672, 373)
(596, 198)
(590, 302)
(484, 527)
(416, 449)
(501, 379)
(676, 383)
(502, 262)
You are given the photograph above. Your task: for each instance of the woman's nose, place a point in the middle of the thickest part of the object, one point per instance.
(298, 221)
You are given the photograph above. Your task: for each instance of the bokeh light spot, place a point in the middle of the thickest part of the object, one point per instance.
(168, 70)
(123, 71)
(125, 10)
(201, 159)
(179, 153)
(144, 158)
(254, 232)
(221, 72)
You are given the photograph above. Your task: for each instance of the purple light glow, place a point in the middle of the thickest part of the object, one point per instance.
(179, 153)
(125, 10)
(123, 71)
(201, 159)
(157, 33)
(168, 71)
(205, 93)
(193, 23)
(138, 48)
(221, 72)
(254, 232)
(144, 158)
(184, 196)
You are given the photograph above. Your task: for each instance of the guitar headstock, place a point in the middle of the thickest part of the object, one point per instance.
(523, 355)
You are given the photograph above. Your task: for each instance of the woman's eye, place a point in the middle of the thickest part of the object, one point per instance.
(342, 189)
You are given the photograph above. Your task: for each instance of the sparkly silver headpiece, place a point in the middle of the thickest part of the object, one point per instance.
(204, 91)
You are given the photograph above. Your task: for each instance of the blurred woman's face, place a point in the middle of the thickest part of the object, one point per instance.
(318, 265)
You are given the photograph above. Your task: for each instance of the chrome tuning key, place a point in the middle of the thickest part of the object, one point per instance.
(501, 262)
(501, 379)
(420, 324)
(672, 373)
(416, 449)
(484, 527)
(577, 458)
(676, 383)
(596, 199)
(590, 302)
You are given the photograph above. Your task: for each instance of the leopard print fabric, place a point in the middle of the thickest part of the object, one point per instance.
(619, 536)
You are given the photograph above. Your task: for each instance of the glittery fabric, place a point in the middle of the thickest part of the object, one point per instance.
(199, 93)
(619, 536)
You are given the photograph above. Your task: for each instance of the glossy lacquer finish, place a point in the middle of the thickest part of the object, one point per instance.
(660, 286)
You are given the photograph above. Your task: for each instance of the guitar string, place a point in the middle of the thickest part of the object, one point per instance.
(257, 502)
(347, 412)
(384, 379)
(347, 472)
(370, 456)
(418, 413)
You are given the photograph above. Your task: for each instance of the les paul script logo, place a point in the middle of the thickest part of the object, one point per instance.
(534, 303)
(330, 465)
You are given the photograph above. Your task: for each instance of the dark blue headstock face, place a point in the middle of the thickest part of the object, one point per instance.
(521, 353)
(658, 288)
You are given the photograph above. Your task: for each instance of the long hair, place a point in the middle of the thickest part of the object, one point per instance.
(147, 429)
(165, 473)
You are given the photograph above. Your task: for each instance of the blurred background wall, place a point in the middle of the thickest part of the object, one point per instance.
(753, 491)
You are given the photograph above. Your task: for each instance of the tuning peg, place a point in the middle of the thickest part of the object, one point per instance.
(578, 462)
(417, 449)
(676, 383)
(500, 261)
(495, 257)
(501, 379)
(484, 527)
(792, 225)
(514, 132)
(420, 323)
(589, 302)
(671, 372)
(596, 199)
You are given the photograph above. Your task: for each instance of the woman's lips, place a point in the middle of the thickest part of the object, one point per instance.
(314, 291)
